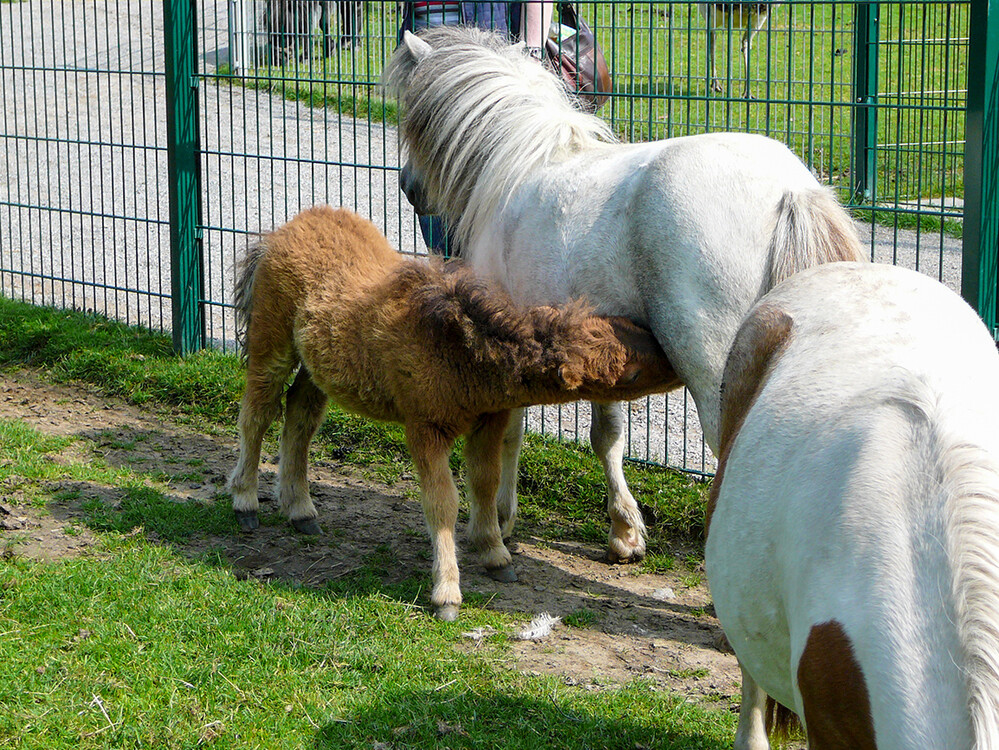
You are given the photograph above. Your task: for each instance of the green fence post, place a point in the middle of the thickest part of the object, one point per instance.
(867, 19)
(979, 274)
(184, 176)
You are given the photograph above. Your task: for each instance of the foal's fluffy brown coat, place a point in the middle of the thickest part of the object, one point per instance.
(415, 342)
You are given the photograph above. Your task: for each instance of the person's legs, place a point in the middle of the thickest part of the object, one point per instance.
(438, 236)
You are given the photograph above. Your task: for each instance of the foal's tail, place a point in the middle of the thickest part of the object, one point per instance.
(242, 295)
(812, 227)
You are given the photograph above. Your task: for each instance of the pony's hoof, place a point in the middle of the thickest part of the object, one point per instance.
(247, 520)
(448, 612)
(307, 526)
(505, 574)
(635, 556)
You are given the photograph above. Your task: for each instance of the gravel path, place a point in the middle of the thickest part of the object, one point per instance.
(83, 91)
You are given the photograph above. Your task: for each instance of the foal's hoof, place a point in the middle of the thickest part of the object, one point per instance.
(505, 574)
(247, 520)
(448, 613)
(307, 526)
(615, 558)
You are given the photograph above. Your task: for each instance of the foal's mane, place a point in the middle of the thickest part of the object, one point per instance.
(480, 116)
(455, 307)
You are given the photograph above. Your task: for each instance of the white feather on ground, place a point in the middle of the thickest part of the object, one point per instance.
(540, 627)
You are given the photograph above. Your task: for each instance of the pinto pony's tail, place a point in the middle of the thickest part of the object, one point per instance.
(242, 295)
(972, 478)
(811, 228)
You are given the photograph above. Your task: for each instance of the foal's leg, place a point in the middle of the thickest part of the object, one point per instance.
(627, 532)
(430, 450)
(304, 413)
(751, 732)
(482, 466)
(265, 378)
(506, 495)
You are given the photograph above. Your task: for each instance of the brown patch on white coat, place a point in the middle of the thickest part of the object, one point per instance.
(834, 692)
(750, 361)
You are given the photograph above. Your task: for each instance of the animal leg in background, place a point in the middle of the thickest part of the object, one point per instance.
(430, 451)
(266, 374)
(483, 448)
(626, 540)
(304, 412)
(722, 15)
(751, 732)
(506, 495)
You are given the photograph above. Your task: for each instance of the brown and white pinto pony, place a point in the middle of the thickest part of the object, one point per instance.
(853, 527)
(405, 340)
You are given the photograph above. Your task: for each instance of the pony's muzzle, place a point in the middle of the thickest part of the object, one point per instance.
(412, 188)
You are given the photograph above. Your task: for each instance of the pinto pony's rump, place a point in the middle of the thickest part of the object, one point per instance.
(853, 539)
(427, 345)
(681, 235)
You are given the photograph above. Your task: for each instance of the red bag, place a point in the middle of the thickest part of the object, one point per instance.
(579, 60)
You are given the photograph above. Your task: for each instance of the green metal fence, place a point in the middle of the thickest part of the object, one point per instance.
(145, 143)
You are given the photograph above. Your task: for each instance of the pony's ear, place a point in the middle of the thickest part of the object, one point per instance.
(416, 46)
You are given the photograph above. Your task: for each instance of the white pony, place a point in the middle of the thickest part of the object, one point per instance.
(681, 236)
(853, 538)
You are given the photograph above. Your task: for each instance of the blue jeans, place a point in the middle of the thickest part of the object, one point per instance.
(438, 236)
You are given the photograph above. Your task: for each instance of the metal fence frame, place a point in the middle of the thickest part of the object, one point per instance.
(200, 239)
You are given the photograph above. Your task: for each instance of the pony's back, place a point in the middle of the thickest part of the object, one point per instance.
(319, 248)
(855, 517)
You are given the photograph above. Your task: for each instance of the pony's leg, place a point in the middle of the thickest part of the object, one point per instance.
(304, 413)
(751, 731)
(482, 465)
(260, 406)
(439, 495)
(627, 533)
(506, 495)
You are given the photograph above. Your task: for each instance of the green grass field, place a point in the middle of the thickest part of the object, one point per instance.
(134, 644)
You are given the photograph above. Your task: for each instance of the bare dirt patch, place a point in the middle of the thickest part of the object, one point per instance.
(629, 624)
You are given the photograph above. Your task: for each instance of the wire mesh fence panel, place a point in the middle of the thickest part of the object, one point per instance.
(871, 96)
(83, 220)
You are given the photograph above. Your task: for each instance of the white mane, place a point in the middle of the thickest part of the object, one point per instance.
(971, 476)
(480, 116)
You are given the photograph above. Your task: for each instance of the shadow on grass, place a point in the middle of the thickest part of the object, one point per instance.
(403, 718)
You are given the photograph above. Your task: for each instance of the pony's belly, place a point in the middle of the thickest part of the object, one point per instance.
(750, 613)
(364, 402)
(743, 559)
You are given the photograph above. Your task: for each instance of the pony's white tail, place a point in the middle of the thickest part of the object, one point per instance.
(973, 488)
(812, 227)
